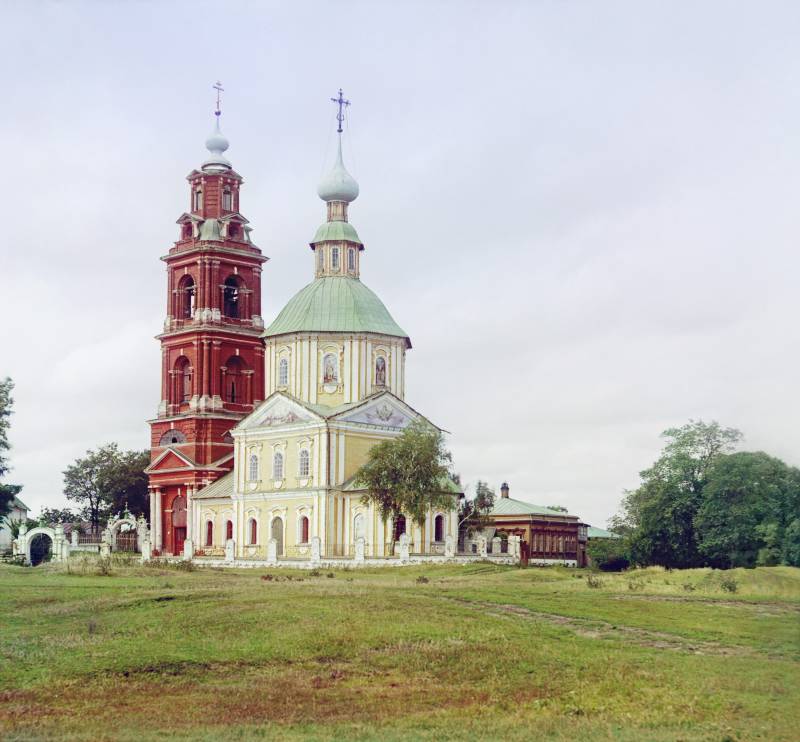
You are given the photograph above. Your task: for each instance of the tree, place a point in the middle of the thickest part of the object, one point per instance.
(558, 508)
(658, 516)
(7, 491)
(748, 502)
(51, 516)
(473, 512)
(107, 481)
(408, 475)
(608, 554)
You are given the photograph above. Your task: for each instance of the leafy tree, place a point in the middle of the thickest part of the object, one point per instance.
(408, 475)
(473, 512)
(659, 514)
(51, 516)
(7, 491)
(791, 543)
(558, 508)
(107, 481)
(747, 501)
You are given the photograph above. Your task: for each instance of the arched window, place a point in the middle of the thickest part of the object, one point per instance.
(303, 530)
(283, 372)
(277, 534)
(380, 371)
(304, 465)
(277, 465)
(230, 297)
(209, 533)
(233, 381)
(228, 530)
(252, 530)
(183, 371)
(198, 199)
(253, 467)
(351, 259)
(227, 200)
(335, 258)
(438, 528)
(172, 436)
(399, 527)
(186, 297)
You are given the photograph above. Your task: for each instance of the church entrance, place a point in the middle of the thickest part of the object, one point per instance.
(277, 534)
(178, 524)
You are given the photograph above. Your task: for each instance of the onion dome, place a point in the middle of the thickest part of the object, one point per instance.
(217, 144)
(338, 184)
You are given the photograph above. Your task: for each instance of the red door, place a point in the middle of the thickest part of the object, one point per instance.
(180, 537)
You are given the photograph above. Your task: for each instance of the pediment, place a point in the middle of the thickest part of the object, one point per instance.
(384, 410)
(278, 411)
(170, 459)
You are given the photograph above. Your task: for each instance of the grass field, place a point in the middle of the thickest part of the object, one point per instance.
(480, 652)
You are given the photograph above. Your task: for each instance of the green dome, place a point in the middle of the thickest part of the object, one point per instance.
(336, 231)
(335, 304)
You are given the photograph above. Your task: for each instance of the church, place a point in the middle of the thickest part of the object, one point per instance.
(260, 429)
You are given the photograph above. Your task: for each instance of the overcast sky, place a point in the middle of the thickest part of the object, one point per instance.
(584, 214)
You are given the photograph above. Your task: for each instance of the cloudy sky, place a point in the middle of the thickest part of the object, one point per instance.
(585, 214)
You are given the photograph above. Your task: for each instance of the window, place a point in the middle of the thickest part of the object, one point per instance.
(438, 528)
(230, 297)
(320, 259)
(304, 530)
(335, 258)
(304, 467)
(351, 259)
(209, 533)
(233, 378)
(198, 200)
(227, 200)
(283, 372)
(186, 297)
(399, 527)
(252, 529)
(184, 373)
(172, 436)
(277, 465)
(253, 473)
(228, 530)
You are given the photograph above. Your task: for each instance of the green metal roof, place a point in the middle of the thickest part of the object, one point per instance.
(510, 506)
(223, 487)
(448, 486)
(336, 231)
(335, 304)
(601, 533)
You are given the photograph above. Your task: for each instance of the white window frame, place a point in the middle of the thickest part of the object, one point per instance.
(278, 471)
(253, 467)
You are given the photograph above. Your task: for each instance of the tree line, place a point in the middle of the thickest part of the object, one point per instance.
(704, 504)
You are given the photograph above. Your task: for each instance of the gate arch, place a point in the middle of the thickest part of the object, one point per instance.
(131, 543)
(31, 535)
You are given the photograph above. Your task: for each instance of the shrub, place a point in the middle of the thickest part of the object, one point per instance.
(314, 573)
(185, 566)
(608, 555)
(688, 587)
(422, 580)
(635, 584)
(729, 584)
(330, 575)
(594, 581)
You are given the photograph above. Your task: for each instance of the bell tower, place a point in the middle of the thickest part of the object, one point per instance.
(212, 356)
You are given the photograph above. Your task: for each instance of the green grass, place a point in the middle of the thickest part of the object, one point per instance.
(480, 652)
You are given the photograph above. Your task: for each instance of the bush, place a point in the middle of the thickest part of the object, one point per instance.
(314, 573)
(593, 581)
(729, 584)
(422, 580)
(608, 555)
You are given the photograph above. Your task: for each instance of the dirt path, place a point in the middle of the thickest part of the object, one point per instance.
(598, 629)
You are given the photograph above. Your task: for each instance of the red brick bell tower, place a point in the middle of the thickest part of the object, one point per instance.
(212, 355)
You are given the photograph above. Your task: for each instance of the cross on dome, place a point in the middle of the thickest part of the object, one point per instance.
(338, 184)
(217, 143)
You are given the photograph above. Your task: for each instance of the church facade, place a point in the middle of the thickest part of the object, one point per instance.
(260, 430)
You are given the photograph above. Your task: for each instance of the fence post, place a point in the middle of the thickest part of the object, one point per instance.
(146, 550)
(230, 550)
(272, 551)
(496, 546)
(449, 547)
(188, 550)
(316, 549)
(360, 549)
(482, 547)
(404, 547)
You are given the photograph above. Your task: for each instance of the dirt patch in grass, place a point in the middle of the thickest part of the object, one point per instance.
(594, 629)
(762, 608)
